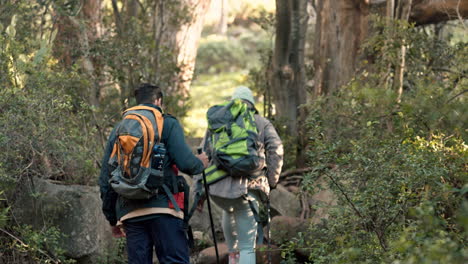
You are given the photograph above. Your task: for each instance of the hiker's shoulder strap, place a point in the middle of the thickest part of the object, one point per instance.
(157, 114)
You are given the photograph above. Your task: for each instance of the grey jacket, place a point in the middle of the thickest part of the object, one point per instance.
(270, 148)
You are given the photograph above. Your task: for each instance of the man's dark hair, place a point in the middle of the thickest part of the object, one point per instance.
(147, 93)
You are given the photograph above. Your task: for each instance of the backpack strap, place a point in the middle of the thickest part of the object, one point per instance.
(157, 116)
(256, 215)
(171, 197)
(147, 137)
(187, 226)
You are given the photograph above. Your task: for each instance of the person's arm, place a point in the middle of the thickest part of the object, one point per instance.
(273, 154)
(180, 152)
(108, 195)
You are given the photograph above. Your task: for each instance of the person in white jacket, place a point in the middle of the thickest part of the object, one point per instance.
(232, 194)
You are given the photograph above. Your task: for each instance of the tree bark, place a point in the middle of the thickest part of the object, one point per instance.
(341, 27)
(182, 39)
(286, 74)
(435, 11)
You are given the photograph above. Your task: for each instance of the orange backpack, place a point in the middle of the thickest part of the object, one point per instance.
(136, 136)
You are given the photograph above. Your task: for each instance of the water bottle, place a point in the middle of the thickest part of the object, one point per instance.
(159, 152)
(156, 178)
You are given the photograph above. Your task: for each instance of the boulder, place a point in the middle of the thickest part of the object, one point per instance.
(208, 255)
(283, 228)
(283, 202)
(75, 210)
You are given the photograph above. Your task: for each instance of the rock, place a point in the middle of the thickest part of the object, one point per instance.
(284, 202)
(74, 209)
(208, 255)
(293, 189)
(283, 228)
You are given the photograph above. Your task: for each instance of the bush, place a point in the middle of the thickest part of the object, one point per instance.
(45, 131)
(230, 53)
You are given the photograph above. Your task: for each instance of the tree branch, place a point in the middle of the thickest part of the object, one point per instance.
(457, 95)
(382, 242)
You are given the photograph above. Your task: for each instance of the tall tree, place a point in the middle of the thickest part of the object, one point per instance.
(184, 38)
(286, 73)
(342, 26)
(221, 27)
(170, 31)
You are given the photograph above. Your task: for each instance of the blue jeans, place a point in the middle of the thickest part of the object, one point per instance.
(239, 226)
(164, 232)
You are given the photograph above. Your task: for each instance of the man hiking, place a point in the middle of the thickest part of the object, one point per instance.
(239, 194)
(155, 218)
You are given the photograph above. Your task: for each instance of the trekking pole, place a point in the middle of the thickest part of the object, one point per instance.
(268, 230)
(207, 193)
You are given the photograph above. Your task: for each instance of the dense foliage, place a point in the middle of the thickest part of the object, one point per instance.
(398, 169)
(62, 89)
(397, 163)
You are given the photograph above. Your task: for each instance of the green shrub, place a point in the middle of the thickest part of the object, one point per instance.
(398, 169)
(231, 53)
(35, 246)
(44, 131)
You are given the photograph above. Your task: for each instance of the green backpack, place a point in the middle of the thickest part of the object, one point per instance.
(234, 139)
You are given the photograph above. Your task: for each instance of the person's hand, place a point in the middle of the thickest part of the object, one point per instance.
(204, 159)
(117, 232)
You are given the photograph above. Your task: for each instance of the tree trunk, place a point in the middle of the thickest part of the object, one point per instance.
(221, 28)
(435, 11)
(341, 27)
(403, 13)
(287, 76)
(182, 39)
